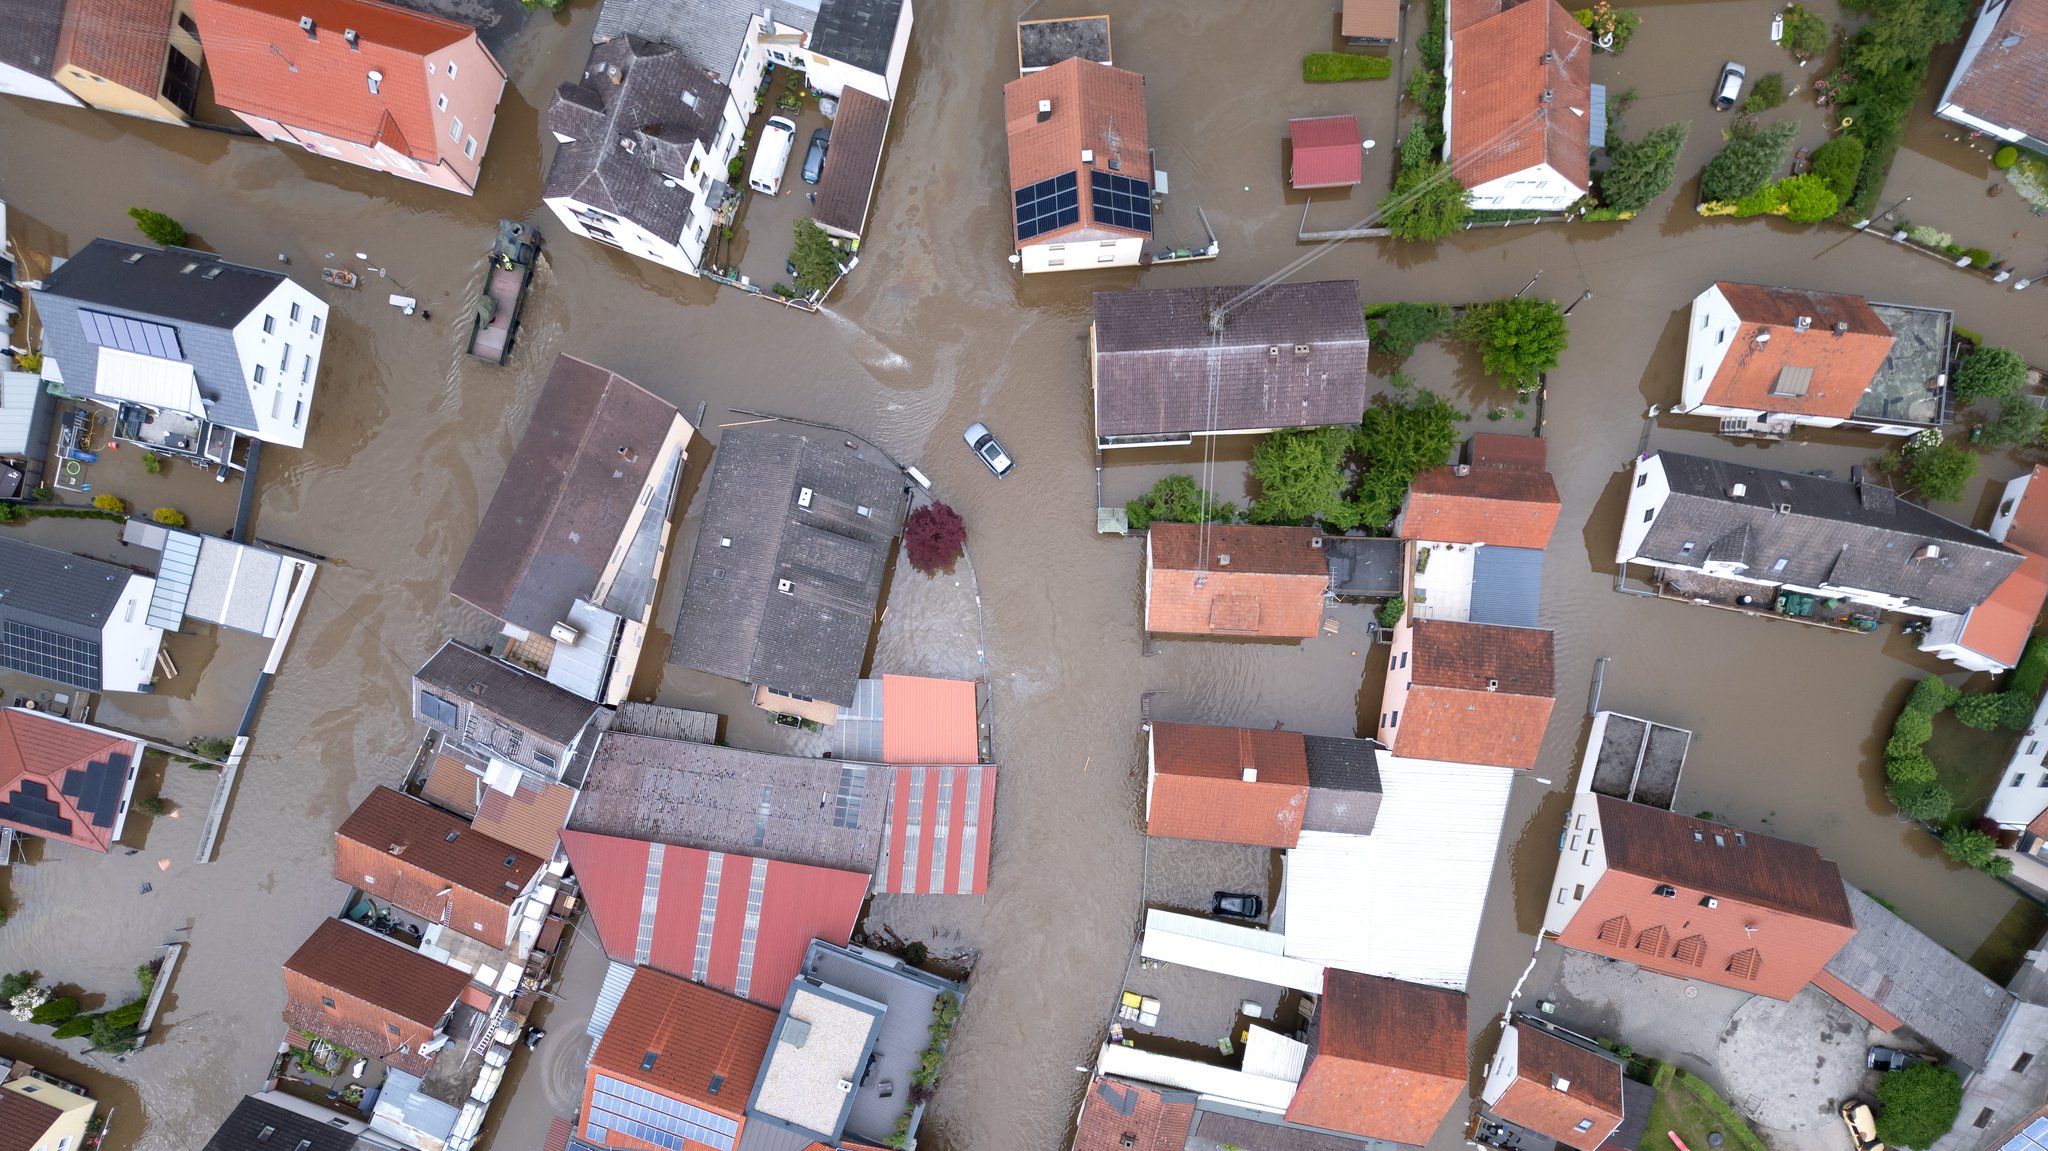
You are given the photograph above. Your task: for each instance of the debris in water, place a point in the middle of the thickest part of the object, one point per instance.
(146, 889)
(163, 865)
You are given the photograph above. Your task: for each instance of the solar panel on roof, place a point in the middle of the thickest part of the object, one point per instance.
(37, 651)
(139, 336)
(655, 1119)
(31, 806)
(2033, 1138)
(1048, 205)
(1121, 202)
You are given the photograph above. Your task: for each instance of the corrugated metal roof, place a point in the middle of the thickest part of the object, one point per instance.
(18, 393)
(1405, 901)
(1227, 949)
(1507, 585)
(1596, 124)
(616, 977)
(1256, 1091)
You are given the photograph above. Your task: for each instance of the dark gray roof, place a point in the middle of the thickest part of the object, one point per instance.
(633, 93)
(53, 606)
(567, 496)
(28, 35)
(165, 286)
(259, 1125)
(1836, 533)
(1156, 359)
(709, 32)
(512, 694)
(1507, 584)
(1343, 785)
(1218, 1125)
(811, 640)
(851, 165)
(1364, 565)
(857, 32)
(1918, 981)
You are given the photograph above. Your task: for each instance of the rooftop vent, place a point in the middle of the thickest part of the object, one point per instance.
(1841, 327)
(376, 81)
(354, 41)
(1547, 93)
(1666, 891)
(785, 587)
(1738, 491)
(1493, 685)
(564, 633)
(1127, 1139)
(1044, 111)
(1223, 559)
(1272, 351)
(306, 26)
(1087, 155)
(1301, 349)
(1930, 552)
(1709, 902)
(1802, 323)
(1782, 509)
(626, 142)
(1548, 57)
(1316, 542)
(1115, 165)
(803, 497)
(1250, 775)
(725, 541)
(1560, 1083)
(846, 1086)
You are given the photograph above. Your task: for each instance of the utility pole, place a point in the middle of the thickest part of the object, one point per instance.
(1531, 283)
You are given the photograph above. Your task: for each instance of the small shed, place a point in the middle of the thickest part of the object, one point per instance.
(1328, 152)
(1372, 21)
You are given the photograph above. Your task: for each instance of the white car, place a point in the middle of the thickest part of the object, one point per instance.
(1729, 88)
(989, 449)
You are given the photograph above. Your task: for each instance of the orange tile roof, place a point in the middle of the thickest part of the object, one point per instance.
(1120, 1116)
(2029, 528)
(1465, 13)
(929, 721)
(1502, 67)
(1559, 1085)
(1387, 1061)
(693, 1033)
(87, 775)
(530, 819)
(1842, 366)
(1507, 507)
(262, 64)
(1198, 789)
(452, 785)
(125, 41)
(1094, 106)
(1998, 628)
(1248, 580)
(1480, 693)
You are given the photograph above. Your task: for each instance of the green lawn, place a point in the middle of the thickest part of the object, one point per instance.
(1679, 1109)
(1318, 67)
(1969, 761)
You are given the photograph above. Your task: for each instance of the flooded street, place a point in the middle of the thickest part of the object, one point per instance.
(408, 440)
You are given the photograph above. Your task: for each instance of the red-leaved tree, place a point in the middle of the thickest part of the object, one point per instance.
(936, 538)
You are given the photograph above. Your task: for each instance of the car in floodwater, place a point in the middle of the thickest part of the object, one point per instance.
(1238, 905)
(1729, 87)
(814, 158)
(1862, 1125)
(1889, 1059)
(989, 449)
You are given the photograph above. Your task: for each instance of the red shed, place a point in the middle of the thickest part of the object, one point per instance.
(1328, 152)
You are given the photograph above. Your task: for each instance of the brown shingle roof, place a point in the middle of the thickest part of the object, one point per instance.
(852, 162)
(1371, 19)
(1388, 1059)
(1198, 789)
(1558, 1085)
(2008, 85)
(1760, 869)
(1484, 657)
(1120, 1116)
(24, 1120)
(1094, 107)
(1497, 450)
(1501, 122)
(126, 41)
(376, 985)
(451, 785)
(1480, 693)
(1841, 366)
(693, 1034)
(1506, 507)
(407, 852)
(1247, 580)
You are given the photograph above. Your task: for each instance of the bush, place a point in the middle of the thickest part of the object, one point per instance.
(1392, 611)
(1748, 162)
(2005, 157)
(1768, 93)
(1401, 436)
(152, 805)
(1911, 730)
(126, 1015)
(1302, 478)
(210, 746)
(816, 260)
(915, 953)
(1980, 711)
(1323, 67)
(169, 517)
(1607, 23)
(110, 503)
(1932, 695)
(74, 1027)
(152, 463)
(1178, 499)
(1969, 847)
(1994, 371)
(1808, 199)
(1927, 802)
(936, 538)
(158, 228)
(55, 1012)
(1919, 1105)
(1734, 1124)
(1838, 162)
(1518, 339)
(1427, 204)
(1806, 35)
(1909, 767)
(31, 362)
(1403, 326)
(112, 1037)
(1638, 173)
(2018, 422)
(1942, 472)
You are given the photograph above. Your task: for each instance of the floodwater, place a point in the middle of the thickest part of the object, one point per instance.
(409, 439)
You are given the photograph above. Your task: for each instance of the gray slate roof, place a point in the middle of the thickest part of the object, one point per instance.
(1943, 999)
(1343, 785)
(1507, 585)
(646, 108)
(28, 35)
(1155, 359)
(514, 695)
(812, 640)
(1364, 565)
(1838, 533)
(157, 288)
(857, 32)
(709, 32)
(244, 1130)
(59, 593)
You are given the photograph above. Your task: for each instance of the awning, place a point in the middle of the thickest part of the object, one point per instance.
(1596, 124)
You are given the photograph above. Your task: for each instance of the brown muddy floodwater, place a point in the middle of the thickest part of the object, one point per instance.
(934, 331)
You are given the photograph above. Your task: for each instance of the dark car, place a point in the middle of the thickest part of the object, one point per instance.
(814, 160)
(1889, 1059)
(1238, 905)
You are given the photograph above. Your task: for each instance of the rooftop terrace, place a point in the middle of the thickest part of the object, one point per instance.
(1911, 386)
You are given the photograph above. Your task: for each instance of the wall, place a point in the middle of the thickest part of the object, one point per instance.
(1581, 859)
(1541, 188)
(2022, 791)
(288, 359)
(1123, 252)
(2008, 507)
(128, 644)
(19, 82)
(1944, 640)
(1646, 495)
(1707, 341)
(1500, 1074)
(627, 236)
(1399, 679)
(472, 92)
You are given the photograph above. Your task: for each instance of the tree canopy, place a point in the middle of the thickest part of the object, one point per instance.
(1941, 472)
(1354, 477)
(1402, 326)
(1399, 439)
(1920, 1104)
(159, 228)
(1427, 204)
(1749, 161)
(1178, 499)
(1518, 339)
(1638, 173)
(1990, 371)
(1302, 477)
(816, 260)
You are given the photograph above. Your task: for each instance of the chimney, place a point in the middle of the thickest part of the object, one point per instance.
(1546, 95)
(354, 41)
(1802, 323)
(1493, 685)
(306, 26)
(1251, 775)
(1223, 560)
(1044, 111)
(1841, 327)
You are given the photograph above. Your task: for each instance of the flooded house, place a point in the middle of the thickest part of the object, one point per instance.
(75, 621)
(273, 1117)
(28, 53)
(570, 552)
(1325, 152)
(1524, 114)
(1997, 78)
(1235, 581)
(40, 1112)
(1466, 692)
(189, 352)
(1561, 1087)
(64, 782)
(1078, 118)
(1992, 635)
(403, 852)
(360, 990)
(119, 56)
(1257, 785)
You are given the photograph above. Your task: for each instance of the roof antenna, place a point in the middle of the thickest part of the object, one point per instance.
(287, 59)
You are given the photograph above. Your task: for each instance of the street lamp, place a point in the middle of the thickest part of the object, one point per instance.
(1531, 283)
(2021, 285)
(1885, 214)
(1583, 297)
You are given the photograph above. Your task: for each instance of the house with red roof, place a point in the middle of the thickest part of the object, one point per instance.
(1226, 784)
(1117, 1115)
(1991, 635)
(675, 1067)
(1556, 1084)
(1997, 85)
(1235, 581)
(1080, 167)
(1465, 692)
(358, 989)
(1326, 152)
(1502, 497)
(1523, 119)
(420, 859)
(359, 81)
(927, 720)
(1694, 899)
(1387, 1059)
(65, 782)
(137, 57)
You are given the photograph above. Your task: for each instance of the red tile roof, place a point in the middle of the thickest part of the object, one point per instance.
(1235, 580)
(263, 65)
(530, 818)
(407, 853)
(1998, 628)
(1841, 366)
(1198, 788)
(2029, 528)
(928, 720)
(1856, 1001)
(1479, 693)
(125, 41)
(1503, 66)
(25, 1119)
(1120, 1116)
(1557, 1086)
(1387, 1059)
(1778, 910)
(1094, 107)
(385, 994)
(2038, 827)
(795, 904)
(2006, 82)
(63, 781)
(943, 816)
(1499, 450)
(451, 785)
(693, 1033)
(1506, 507)
(1328, 150)
(557, 1138)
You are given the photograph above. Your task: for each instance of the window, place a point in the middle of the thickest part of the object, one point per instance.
(1779, 564)
(285, 361)
(1105, 258)
(64, 1144)
(295, 313)
(451, 69)
(2020, 1064)
(543, 759)
(185, 22)
(1393, 662)
(430, 67)
(2043, 781)
(376, 81)
(1404, 659)
(316, 325)
(1059, 263)
(1642, 479)
(392, 1028)
(1721, 337)
(469, 147)
(437, 710)
(1649, 514)
(440, 101)
(1583, 1125)
(327, 1001)
(2033, 745)
(259, 373)
(1700, 373)
(1393, 719)
(2019, 779)
(269, 324)
(455, 128)
(1578, 891)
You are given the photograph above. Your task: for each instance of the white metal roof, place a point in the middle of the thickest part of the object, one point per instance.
(148, 380)
(1404, 902)
(1227, 949)
(580, 667)
(1256, 1091)
(1272, 1055)
(18, 392)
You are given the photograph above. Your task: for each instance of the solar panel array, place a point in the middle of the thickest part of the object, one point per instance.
(39, 651)
(1048, 205)
(1120, 201)
(654, 1119)
(30, 806)
(437, 709)
(95, 789)
(139, 336)
(2034, 1137)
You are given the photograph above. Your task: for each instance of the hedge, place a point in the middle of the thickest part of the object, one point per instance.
(55, 1011)
(74, 1027)
(1734, 1125)
(1323, 67)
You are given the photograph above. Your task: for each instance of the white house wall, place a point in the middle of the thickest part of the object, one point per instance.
(289, 356)
(128, 643)
(1944, 639)
(1646, 495)
(1541, 188)
(1206, 1079)
(1708, 338)
(627, 236)
(1581, 859)
(20, 82)
(1226, 949)
(1500, 1074)
(1123, 252)
(2022, 791)
(2008, 507)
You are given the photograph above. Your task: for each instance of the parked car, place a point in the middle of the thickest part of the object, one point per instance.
(1729, 88)
(814, 159)
(1862, 1125)
(771, 156)
(1238, 905)
(1889, 1059)
(989, 449)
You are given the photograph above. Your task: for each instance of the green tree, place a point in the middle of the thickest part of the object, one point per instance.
(1403, 326)
(14, 983)
(1427, 204)
(1808, 199)
(110, 503)
(2018, 422)
(1968, 846)
(1926, 801)
(1400, 437)
(1910, 767)
(1920, 1104)
(1392, 611)
(1941, 472)
(1806, 35)
(152, 805)
(1302, 478)
(159, 228)
(1902, 33)
(1518, 339)
(1768, 92)
(1932, 695)
(1990, 371)
(1839, 162)
(816, 260)
(109, 1036)
(1638, 173)
(1909, 732)
(1178, 499)
(55, 1012)
(1749, 161)
(1980, 710)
